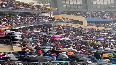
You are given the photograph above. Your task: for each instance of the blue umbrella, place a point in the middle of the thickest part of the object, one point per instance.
(26, 31)
(41, 33)
(100, 39)
(35, 39)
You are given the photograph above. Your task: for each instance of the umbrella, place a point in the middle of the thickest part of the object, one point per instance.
(84, 58)
(56, 38)
(39, 58)
(31, 25)
(52, 32)
(26, 31)
(112, 40)
(22, 26)
(107, 52)
(41, 33)
(67, 49)
(100, 39)
(4, 27)
(57, 35)
(46, 47)
(65, 39)
(17, 28)
(78, 55)
(86, 40)
(36, 31)
(35, 39)
(104, 33)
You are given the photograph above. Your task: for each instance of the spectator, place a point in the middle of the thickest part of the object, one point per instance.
(62, 56)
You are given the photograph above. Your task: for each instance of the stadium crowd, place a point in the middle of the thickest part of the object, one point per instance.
(65, 43)
(101, 25)
(15, 5)
(58, 43)
(14, 20)
(98, 14)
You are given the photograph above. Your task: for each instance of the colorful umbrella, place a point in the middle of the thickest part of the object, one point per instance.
(57, 35)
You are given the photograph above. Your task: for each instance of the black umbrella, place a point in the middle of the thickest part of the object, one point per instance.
(84, 58)
(38, 58)
(78, 55)
(107, 52)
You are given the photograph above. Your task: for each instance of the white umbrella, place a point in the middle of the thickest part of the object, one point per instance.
(112, 40)
(65, 39)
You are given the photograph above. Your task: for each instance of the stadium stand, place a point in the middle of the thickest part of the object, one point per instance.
(32, 39)
(17, 5)
(95, 14)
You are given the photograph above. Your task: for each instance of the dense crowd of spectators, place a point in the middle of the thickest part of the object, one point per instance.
(14, 20)
(97, 14)
(59, 43)
(65, 43)
(101, 25)
(13, 5)
(85, 42)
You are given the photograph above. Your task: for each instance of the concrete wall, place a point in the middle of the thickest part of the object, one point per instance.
(9, 48)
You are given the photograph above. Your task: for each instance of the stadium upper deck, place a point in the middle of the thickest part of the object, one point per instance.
(17, 6)
(85, 5)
